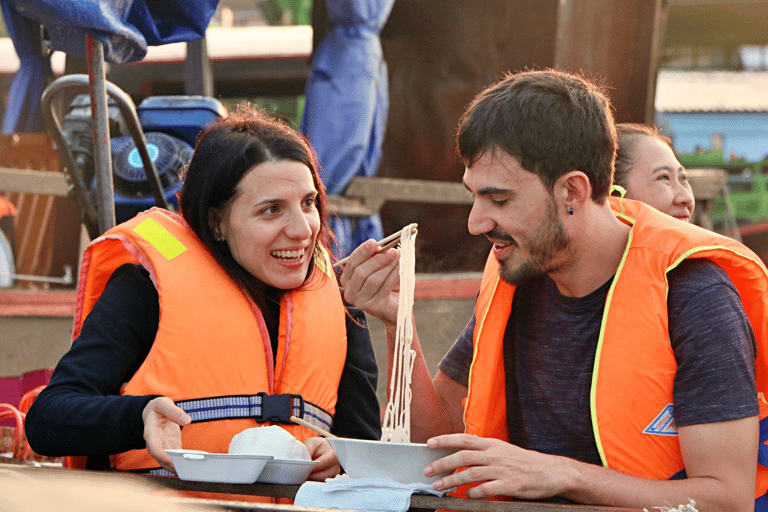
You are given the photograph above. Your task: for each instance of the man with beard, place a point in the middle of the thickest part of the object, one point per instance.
(616, 355)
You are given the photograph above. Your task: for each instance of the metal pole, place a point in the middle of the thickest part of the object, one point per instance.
(102, 151)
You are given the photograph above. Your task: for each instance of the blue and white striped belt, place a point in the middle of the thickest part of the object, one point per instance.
(262, 407)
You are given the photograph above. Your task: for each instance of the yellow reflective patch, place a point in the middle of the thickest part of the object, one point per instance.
(160, 238)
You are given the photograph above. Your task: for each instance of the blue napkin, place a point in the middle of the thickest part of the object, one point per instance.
(381, 494)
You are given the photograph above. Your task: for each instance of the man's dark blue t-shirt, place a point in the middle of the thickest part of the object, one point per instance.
(554, 339)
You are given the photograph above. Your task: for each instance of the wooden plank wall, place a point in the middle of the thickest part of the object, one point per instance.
(47, 227)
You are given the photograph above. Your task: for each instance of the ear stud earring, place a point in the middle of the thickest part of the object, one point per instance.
(570, 211)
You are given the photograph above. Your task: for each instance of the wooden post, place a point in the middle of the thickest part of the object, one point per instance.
(618, 42)
(198, 75)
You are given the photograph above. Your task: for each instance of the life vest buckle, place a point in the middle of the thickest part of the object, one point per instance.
(280, 408)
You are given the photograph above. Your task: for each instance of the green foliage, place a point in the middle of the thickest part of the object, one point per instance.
(747, 185)
(290, 109)
(708, 157)
(287, 12)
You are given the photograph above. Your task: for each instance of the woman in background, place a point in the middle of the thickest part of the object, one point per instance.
(647, 168)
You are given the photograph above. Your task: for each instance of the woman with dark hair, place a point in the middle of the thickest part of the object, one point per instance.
(226, 318)
(647, 168)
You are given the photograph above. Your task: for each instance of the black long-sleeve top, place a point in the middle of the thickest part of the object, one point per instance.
(80, 412)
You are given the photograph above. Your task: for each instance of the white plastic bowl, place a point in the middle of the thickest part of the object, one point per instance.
(402, 462)
(286, 472)
(200, 466)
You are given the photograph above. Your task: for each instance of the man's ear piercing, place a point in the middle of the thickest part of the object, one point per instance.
(570, 211)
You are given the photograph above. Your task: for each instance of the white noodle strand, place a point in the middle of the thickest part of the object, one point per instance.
(396, 426)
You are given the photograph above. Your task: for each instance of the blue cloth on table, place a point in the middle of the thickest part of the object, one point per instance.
(382, 494)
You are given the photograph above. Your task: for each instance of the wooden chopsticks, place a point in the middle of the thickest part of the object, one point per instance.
(311, 427)
(385, 243)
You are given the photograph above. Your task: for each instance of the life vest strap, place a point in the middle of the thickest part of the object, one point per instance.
(262, 407)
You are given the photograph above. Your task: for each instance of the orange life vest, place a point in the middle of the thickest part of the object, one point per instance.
(212, 340)
(633, 347)
(6, 208)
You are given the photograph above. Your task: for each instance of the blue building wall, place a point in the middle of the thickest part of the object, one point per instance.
(745, 134)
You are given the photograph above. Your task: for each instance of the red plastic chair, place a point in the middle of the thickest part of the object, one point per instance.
(20, 447)
(26, 401)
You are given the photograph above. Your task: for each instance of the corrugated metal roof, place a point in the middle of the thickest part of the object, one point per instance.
(712, 91)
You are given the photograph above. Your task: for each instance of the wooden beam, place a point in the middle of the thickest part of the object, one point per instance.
(716, 23)
(33, 182)
(374, 192)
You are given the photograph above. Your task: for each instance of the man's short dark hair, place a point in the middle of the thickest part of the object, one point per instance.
(552, 122)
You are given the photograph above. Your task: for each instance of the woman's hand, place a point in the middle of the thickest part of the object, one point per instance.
(327, 464)
(162, 429)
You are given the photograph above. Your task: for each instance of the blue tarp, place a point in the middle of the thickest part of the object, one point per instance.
(347, 100)
(21, 114)
(125, 28)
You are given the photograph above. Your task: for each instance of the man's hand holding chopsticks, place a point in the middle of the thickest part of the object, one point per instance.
(371, 281)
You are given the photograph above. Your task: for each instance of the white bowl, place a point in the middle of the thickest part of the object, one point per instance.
(286, 472)
(201, 466)
(402, 462)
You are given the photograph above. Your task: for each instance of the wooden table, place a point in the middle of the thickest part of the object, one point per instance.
(55, 480)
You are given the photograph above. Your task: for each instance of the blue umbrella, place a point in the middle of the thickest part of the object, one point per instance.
(347, 99)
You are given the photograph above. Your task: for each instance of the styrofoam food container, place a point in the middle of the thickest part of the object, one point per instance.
(201, 466)
(286, 471)
(402, 462)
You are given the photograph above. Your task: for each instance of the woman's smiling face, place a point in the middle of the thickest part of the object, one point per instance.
(271, 223)
(658, 179)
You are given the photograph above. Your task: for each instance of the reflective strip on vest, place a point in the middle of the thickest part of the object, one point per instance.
(240, 406)
(160, 238)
